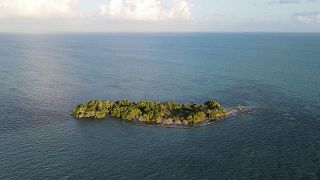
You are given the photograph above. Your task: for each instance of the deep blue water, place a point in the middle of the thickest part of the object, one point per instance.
(43, 76)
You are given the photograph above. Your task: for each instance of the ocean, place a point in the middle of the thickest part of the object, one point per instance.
(43, 76)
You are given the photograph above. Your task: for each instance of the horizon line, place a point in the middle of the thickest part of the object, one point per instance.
(164, 32)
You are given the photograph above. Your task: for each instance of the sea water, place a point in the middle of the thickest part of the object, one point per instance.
(42, 77)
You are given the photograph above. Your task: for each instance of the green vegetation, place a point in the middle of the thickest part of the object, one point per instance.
(152, 112)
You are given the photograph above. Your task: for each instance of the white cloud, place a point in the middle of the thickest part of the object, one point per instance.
(303, 19)
(261, 20)
(290, 1)
(310, 17)
(37, 8)
(146, 10)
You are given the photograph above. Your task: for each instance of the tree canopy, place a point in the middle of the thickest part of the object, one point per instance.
(151, 111)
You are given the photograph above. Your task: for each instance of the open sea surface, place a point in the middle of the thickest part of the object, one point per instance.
(42, 77)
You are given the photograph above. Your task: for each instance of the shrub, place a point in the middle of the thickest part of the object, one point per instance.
(195, 118)
(213, 105)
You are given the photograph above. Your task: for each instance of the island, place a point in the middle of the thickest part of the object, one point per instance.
(154, 113)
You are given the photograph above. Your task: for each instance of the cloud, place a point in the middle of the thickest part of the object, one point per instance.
(290, 1)
(307, 17)
(37, 8)
(262, 20)
(146, 10)
(287, 1)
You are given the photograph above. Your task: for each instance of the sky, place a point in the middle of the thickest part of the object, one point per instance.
(42, 16)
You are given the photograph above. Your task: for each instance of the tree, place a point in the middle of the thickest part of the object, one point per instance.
(195, 118)
(129, 113)
(213, 104)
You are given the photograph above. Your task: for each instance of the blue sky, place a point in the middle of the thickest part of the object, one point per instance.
(159, 15)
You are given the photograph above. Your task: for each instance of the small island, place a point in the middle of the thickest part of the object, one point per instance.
(154, 113)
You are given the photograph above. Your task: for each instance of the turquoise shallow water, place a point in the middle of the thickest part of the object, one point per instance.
(43, 76)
